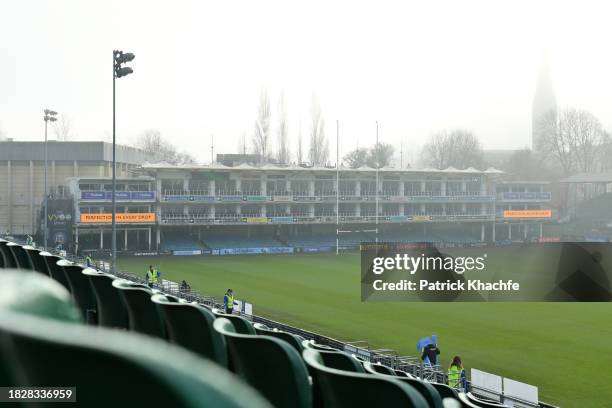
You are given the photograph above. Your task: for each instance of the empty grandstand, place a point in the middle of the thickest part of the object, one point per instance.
(271, 209)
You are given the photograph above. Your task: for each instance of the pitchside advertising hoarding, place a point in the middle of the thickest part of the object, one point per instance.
(425, 272)
(122, 218)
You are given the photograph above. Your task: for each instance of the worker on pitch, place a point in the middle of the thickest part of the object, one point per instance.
(153, 276)
(229, 302)
(89, 261)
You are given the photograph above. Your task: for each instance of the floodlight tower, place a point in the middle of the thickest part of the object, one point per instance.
(119, 58)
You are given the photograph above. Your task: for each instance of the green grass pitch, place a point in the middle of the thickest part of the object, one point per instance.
(563, 348)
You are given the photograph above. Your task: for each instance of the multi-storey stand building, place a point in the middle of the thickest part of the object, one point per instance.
(22, 174)
(248, 202)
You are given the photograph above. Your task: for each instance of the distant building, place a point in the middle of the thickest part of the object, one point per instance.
(544, 102)
(22, 170)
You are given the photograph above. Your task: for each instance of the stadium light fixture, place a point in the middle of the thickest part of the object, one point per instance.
(119, 71)
(50, 116)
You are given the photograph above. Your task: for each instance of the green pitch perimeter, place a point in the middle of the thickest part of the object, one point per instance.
(563, 348)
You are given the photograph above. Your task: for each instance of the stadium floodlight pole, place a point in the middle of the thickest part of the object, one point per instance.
(50, 116)
(119, 57)
(377, 166)
(337, 186)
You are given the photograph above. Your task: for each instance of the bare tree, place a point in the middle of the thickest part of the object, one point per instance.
(318, 153)
(574, 139)
(380, 155)
(556, 140)
(357, 158)
(261, 136)
(300, 152)
(282, 153)
(152, 141)
(525, 165)
(62, 128)
(605, 152)
(242, 144)
(586, 134)
(455, 148)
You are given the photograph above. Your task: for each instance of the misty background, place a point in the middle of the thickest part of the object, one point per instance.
(201, 69)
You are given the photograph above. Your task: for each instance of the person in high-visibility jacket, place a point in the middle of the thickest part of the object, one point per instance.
(455, 373)
(229, 302)
(89, 261)
(151, 276)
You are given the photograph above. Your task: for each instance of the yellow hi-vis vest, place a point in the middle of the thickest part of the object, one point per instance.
(230, 301)
(152, 274)
(454, 374)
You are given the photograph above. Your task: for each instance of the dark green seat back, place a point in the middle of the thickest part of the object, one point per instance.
(7, 255)
(143, 316)
(270, 365)
(191, 326)
(242, 325)
(378, 369)
(37, 260)
(340, 361)
(31, 293)
(292, 339)
(113, 368)
(20, 255)
(445, 391)
(425, 389)
(56, 271)
(343, 389)
(111, 311)
(79, 286)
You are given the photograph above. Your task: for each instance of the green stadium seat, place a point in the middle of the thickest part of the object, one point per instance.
(445, 391)
(341, 361)
(28, 292)
(191, 326)
(143, 316)
(80, 289)
(294, 340)
(37, 260)
(270, 365)
(343, 389)
(42, 345)
(56, 271)
(377, 368)
(310, 344)
(425, 389)
(20, 255)
(111, 311)
(8, 259)
(401, 373)
(482, 403)
(242, 325)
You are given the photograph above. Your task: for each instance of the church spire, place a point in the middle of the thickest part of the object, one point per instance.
(544, 102)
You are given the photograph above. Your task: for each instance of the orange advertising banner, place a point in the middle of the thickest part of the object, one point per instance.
(528, 214)
(120, 218)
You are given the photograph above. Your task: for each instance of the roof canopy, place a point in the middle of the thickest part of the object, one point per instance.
(273, 167)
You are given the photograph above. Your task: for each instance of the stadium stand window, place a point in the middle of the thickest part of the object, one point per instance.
(346, 188)
(412, 188)
(198, 187)
(433, 188)
(390, 188)
(226, 187)
(300, 187)
(250, 187)
(368, 188)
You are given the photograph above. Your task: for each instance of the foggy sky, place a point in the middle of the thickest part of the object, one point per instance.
(416, 67)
